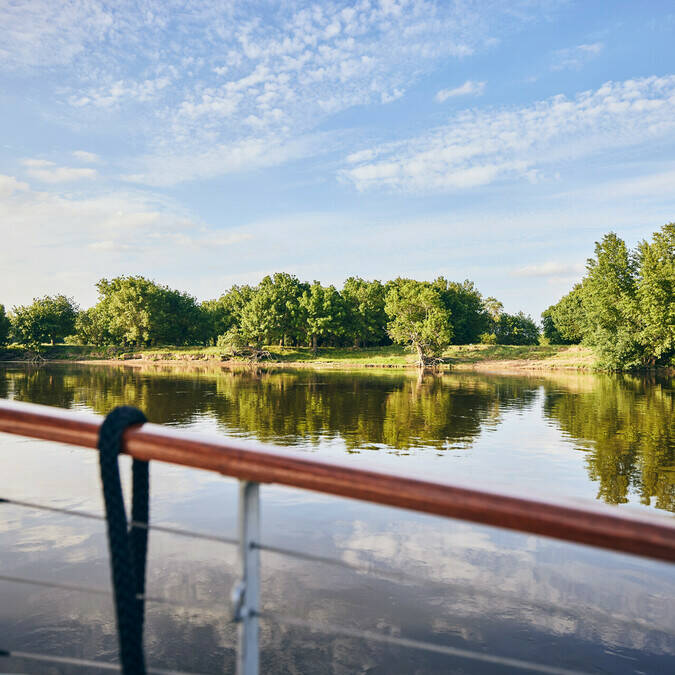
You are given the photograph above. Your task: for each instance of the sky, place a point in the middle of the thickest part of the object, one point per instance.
(204, 144)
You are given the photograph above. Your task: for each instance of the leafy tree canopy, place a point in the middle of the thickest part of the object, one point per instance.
(46, 319)
(366, 319)
(324, 309)
(418, 318)
(5, 326)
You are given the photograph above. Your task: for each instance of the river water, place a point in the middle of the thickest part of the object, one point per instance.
(570, 436)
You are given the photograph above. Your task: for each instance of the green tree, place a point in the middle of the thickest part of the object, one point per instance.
(274, 313)
(418, 318)
(516, 329)
(610, 304)
(46, 319)
(656, 296)
(5, 326)
(135, 311)
(225, 312)
(324, 309)
(464, 302)
(366, 320)
(565, 322)
(91, 327)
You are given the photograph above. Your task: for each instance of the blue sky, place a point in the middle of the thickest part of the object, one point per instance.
(209, 143)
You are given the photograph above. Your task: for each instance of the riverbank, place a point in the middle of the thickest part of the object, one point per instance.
(485, 358)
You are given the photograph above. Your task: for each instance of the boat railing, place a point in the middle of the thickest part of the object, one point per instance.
(598, 526)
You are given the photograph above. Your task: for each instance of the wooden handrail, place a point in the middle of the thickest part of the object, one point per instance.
(595, 525)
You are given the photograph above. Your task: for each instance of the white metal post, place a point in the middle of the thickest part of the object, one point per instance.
(248, 591)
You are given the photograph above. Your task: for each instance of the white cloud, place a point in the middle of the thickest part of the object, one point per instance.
(576, 57)
(120, 91)
(44, 33)
(9, 185)
(226, 75)
(470, 87)
(550, 269)
(169, 167)
(86, 157)
(54, 240)
(478, 147)
(48, 172)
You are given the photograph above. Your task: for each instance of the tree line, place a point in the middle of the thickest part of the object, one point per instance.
(135, 312)
(624, 307)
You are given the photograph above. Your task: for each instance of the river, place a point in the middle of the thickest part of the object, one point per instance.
(575, 436)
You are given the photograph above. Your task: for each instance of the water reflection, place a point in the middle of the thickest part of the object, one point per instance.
(626, 425)
(464, 586)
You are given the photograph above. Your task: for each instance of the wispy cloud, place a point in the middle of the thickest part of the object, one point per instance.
(44, 33)
(86, 157)
(49, 172)
(239, 73)
(576, 57)
(550, 269)
(469, 88)
(120, 91)
(108, 233)
(478, 147)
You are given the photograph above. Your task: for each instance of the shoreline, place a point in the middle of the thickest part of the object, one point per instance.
(501, 359)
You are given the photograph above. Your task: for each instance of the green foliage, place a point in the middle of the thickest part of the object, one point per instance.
(366, 319)
(5, 326)
(324, 311)
(232, 341)
(47, 319)
(610, 304)
(91, 327)
(507, 329)
(564, 322)
(274, 313)
(418, 318)
(625, 306)
(516, 329)
(135, 311)
(656, 296)
(220, 315)
(469, 316)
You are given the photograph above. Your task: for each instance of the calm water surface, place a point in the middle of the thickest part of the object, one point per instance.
(581, 437)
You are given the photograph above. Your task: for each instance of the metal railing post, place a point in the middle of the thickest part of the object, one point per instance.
(246, 595)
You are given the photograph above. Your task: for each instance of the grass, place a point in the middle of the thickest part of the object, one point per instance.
(460, 357)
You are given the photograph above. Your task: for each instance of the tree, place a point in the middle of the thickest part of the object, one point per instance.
(366, 320)
(418, 318)
(324, 311)
(470, 317)
(656, 296)
(91, 327)
(565, 322)
(4, 326)
(610, 305)
(135, 311)
(516, 329)
(47, 319)
(225, 312)
(274, 313)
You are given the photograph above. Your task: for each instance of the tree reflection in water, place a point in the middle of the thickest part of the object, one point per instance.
(625, 424)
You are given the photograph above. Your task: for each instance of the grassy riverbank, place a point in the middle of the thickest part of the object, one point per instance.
(458, 357)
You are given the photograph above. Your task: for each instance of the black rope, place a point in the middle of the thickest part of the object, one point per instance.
(128, 547)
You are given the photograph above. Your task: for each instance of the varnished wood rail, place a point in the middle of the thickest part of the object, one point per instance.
(600, 526)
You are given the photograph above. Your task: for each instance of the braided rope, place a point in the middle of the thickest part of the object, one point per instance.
(128, 548)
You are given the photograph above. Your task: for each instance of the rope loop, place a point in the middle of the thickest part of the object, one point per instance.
(127, 546)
